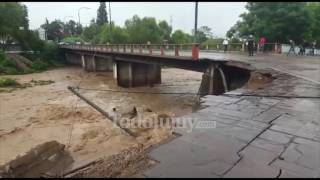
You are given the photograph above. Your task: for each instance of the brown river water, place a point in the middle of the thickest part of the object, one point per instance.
(41, 113)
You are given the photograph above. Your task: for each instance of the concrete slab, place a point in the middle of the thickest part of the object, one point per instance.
(275, 136)
(268, 145)
(262, 128)
(247, 168)
(303, 171)
(258, 155)
(183, 155)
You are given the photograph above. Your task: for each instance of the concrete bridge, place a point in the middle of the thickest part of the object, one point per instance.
(140, 64)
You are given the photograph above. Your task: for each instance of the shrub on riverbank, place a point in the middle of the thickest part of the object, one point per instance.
(8, 82)
(7, 66)
(49, 57)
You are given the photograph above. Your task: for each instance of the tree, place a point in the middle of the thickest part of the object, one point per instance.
(206, 31)
(165, 30)
(179, 37)
(277, 21)
(203, 33)
(119, 35)
(313, 9)
(143, 30)
(54, 30)
(92, 32)
(102, 17)
(30, 40)
(13, 17)
(70, 28)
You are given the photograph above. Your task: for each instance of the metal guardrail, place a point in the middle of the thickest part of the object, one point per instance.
(18, 52)
(185, 50)
(241, 47)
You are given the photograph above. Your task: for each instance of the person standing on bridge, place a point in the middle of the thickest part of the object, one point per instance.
(291, 47)
(262, 43)
(225, 44)
(250, 45)
(313, 48)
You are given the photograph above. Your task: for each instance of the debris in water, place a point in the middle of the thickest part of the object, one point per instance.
(46, 158)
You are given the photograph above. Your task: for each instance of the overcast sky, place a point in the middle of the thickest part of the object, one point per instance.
(219, 16)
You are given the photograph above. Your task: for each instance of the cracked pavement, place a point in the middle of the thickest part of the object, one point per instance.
(254, 136)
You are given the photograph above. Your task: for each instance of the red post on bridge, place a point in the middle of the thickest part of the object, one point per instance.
(195, 51)
(162, 50)
(176, 50)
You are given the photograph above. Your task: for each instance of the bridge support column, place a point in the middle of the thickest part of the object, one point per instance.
(103, 64)
(73, 59)
(88, 63)
(213, 81)
(137, 74)
(83, 62)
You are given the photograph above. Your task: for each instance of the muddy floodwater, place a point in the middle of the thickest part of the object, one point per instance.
(44, 112)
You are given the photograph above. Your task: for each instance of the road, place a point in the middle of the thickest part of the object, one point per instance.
(306, 67)
(253, 136)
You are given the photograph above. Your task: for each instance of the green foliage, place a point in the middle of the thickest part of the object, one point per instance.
(13, 16)
(50, 51)
(7, 82)
(7, 66)
(179, 37)
(118, 35)
(54, 30)
(70, 28)
(212, 42)
(90, 33)
(277, 21)
(165, 30)
(73, 39)
(29, 40)
(39, 65)
(102, 17)
(313, 9)
(143, 30)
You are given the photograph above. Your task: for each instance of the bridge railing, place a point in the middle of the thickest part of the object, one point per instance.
(186, 50)
(241, 47)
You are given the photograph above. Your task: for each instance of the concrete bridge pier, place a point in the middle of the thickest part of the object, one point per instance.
(103, 64)
(88, 63)
(214, 81)
(93, 63)
(130, 74)
(72, 58)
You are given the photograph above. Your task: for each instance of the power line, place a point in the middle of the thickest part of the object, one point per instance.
(191, 93)
(196, 23)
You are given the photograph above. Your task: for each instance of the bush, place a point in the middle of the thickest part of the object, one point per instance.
(6, 82)
(6, 65)
(73, 40)
(40, 65)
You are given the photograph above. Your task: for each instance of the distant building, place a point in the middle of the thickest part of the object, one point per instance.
(42, 34)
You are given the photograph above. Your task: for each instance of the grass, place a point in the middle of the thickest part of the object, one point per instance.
(8, 82)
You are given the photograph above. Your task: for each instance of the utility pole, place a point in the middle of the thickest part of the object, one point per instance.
(196, 23)
(171, 21)
(110, 28)
(79, 13)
